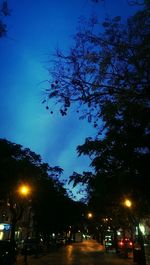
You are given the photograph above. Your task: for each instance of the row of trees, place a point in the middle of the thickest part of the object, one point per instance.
(48, 199)
(106, 77)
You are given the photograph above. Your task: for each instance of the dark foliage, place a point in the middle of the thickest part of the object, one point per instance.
(4, 12)
(106, 77)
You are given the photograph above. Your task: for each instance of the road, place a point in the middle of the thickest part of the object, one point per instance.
(85, 253)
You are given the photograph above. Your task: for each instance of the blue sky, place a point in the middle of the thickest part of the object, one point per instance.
(35, 29)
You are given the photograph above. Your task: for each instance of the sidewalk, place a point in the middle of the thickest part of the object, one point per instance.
(31, 260)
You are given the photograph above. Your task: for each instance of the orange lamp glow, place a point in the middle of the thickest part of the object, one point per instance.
(24, 190)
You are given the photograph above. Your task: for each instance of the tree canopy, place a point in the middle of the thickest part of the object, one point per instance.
(4, 12)
(18, 165)
(49, 199)
(106, 77)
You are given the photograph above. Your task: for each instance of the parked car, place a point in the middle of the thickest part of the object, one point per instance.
(6, 256)
(60, 241)
(125, 246)
(31, 246)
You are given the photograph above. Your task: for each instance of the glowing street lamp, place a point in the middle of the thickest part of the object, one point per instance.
(139, 258)
(90, 215)
(24, 190)
(128, 203)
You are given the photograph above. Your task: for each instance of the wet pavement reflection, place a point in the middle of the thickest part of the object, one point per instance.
(88, 252)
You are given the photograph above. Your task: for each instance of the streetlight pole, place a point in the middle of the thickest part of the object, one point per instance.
(14, 218)
(16, 210)
(24, 191)
(140, 259)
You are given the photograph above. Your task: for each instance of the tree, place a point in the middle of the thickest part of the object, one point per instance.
(52, 209)
(121, 158)
(4, 12)
(131, 2)
(106, 77)
(55, 212)
(20, 165)
(139, 2)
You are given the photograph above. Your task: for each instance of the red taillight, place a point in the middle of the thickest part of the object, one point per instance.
(130, 243)
(121, 243)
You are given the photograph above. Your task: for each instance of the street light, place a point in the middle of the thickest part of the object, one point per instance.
(139, 257)
(16, 211)
(24, 190)
(128, 203)
(90, 215)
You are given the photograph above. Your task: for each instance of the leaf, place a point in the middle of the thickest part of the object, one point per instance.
(117, 19)
(106, 24)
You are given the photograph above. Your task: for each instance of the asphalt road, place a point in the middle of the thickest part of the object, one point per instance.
(86, 253)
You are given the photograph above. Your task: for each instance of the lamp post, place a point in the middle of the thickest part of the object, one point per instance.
(139, 254)
(24, 191)
(16, 210)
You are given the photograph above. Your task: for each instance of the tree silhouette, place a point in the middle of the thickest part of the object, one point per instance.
(4, 12)
(106, 77)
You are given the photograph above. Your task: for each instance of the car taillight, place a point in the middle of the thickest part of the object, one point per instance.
(130, 243)
(121, 243)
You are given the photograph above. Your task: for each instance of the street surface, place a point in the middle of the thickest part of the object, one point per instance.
(85, 253)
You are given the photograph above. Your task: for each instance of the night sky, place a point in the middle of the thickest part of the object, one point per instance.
(35, 29)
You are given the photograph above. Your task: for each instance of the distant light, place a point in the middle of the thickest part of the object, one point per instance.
(142, 228)
(90, 215)
(128, 203)
(1, 235)
(4, 226)
(1, 227)
(105, 219)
